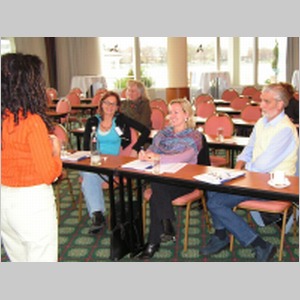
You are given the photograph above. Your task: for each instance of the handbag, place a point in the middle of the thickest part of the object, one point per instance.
(126, 236)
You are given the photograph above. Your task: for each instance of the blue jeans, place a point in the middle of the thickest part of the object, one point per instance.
(220, 206)
(91, 187)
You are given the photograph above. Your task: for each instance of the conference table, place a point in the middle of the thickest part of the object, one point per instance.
(252, 184)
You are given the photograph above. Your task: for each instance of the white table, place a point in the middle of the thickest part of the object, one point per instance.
(84, 82)
(207, 77)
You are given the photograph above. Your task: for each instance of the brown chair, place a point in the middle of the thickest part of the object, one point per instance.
(63, 137)
(64, 106)
(251, 113)
(229, 94)
(274, 207)
(160, 103)
(211, 126)
(205, 109)
(51, 94)
(157, 118)
(203, 98)
(249, 91)
(75, 115)
(239, 103)
(186, 200)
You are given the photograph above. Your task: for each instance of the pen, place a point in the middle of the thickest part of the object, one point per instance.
(82, 158)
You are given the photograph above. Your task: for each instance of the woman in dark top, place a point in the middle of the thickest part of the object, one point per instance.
(113, 133)
(292, 110)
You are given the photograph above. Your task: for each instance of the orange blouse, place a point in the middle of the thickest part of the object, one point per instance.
(27, 158)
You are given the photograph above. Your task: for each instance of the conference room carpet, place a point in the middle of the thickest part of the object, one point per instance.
(77, 245)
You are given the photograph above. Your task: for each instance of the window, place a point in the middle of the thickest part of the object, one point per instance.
(246, 61)
(7, 45)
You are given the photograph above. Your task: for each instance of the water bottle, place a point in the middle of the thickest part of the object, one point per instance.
(95, 155)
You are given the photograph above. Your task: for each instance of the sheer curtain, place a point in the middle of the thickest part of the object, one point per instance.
(292, 57)
(76, 56)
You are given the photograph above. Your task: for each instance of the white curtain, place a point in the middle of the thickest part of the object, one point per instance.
(76, 56)
(35, 46)
(292, 57)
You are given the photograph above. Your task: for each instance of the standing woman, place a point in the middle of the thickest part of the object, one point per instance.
(30, 163)
(179, 142)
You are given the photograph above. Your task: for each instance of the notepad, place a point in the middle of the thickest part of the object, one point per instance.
(219, 176)
(76, 156)
(148, 165)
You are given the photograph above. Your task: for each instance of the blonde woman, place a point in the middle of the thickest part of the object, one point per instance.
(178, 142)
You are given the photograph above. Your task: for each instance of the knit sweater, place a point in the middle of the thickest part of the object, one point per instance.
(27, 158)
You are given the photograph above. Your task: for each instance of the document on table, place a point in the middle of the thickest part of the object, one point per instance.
(76, 156)
(148, 165)
(219, 176)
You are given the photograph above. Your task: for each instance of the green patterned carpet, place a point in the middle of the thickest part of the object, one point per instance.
(76, 245)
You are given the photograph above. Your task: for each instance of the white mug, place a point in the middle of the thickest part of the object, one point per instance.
(278, 177)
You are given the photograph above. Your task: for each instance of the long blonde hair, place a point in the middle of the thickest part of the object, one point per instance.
(187, 108)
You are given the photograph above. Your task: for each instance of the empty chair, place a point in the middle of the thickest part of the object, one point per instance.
(203, 98)
(64, 106)
(239, 102)
(229, 94)
(211, 127)
(51, 94)
(158, 102)
(75, 115)
(249, 91)
(251, 113)
(205, 109)
(157, 118)
(76, 90)
(256, 96)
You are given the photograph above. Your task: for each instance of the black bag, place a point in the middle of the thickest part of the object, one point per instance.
(126, 237)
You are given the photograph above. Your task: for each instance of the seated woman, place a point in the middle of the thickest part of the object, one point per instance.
(113, 132)
(179, 142)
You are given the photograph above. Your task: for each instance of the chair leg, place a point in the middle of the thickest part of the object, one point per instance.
(71, 192)
(294, 221)
(80, 205)
(231, 237)
(144, 213)
(206, 215)
(282, 235)
(186, 228)
(57, 189)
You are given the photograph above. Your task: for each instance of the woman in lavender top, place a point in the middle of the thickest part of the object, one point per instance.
(179, 142)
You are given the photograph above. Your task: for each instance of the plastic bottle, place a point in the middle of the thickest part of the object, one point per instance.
(95, 154)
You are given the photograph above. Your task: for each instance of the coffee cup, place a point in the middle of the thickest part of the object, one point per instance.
(277, 177)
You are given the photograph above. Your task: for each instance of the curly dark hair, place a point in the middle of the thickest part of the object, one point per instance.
(23, 87)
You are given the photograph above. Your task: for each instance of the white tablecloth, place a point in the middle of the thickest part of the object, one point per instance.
(295, 80)
(207, 77)
(84, 82)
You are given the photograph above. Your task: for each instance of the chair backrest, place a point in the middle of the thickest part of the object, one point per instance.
(203, 98)
(239, 102)
(62, 134)
(256, 96)
(74, 98)
(249, 90)
(51, 94)
(63, 106)
(216, 121)
(134, 137)
(123, 93)
(76, 90)
(229, 94)
(158, 102)
(205, 109)
(251, 113)
(157, 118)
(101, 91)
(296, 95)
(96, 99)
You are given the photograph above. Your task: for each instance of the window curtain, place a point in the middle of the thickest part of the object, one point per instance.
(292, 57)
(76, 56)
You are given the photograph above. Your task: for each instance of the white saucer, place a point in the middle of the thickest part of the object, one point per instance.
(279, 186)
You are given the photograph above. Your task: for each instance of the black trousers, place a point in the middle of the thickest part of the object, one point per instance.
(161, 207)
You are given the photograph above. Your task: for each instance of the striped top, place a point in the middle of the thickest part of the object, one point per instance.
(27, 153)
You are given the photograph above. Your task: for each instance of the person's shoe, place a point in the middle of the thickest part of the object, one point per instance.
(149, 251)
(265, 254)
(98, 221)
(215, 245)
(168, 231)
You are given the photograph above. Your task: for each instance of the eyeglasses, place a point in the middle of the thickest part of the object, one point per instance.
(109, 103)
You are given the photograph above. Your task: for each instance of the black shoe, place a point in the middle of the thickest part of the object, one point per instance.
(149, 251)
(265, 254)
(215, 245)
(168, 231)
(98, 221)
